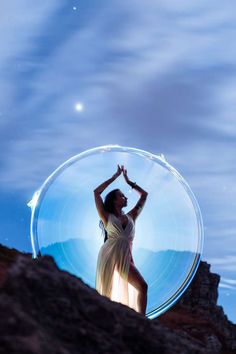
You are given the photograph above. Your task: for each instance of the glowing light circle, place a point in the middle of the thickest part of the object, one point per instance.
(168, 233)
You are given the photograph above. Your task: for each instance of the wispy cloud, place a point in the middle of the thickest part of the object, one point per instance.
(171, 93)
(226, 286)
(159, 76)
(226, 262)
(228, 283)
(160, 79)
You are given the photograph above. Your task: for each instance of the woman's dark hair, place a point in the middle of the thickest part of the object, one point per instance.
(109, 207)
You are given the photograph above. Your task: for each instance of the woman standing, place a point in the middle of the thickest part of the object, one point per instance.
(116, 274)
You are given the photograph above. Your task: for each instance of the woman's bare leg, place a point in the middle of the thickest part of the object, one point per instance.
(136, 279)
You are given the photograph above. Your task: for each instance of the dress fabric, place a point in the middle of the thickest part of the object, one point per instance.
(113, 263)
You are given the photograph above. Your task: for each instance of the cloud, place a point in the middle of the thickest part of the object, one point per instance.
(150, 76)
(19, 23)
(226, 262)
(227, 283)
(226, 286)
(159, 78)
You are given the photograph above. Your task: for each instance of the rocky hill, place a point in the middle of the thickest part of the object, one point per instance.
(46, 310)
(197, 314)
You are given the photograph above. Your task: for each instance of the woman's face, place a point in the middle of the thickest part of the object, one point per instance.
(121, 199)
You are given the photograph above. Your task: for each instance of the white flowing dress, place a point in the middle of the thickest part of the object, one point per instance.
(113, 263)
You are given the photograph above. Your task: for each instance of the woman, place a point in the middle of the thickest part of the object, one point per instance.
(116, 275)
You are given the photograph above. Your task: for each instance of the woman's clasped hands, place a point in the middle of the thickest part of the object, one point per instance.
(121, 169)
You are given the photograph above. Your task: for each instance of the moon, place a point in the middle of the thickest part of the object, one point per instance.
(79, 107)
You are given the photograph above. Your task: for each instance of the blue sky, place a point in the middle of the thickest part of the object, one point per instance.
(159, 77)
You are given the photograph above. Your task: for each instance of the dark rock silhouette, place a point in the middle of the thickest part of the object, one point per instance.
(46, 310)
(197, 314)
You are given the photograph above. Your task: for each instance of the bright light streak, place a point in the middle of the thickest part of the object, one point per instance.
(32, 203)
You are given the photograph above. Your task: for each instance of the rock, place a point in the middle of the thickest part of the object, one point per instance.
(46, 310)
(8, 257)
(198, 314)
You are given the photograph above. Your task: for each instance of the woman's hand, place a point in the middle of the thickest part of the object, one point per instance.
(119, 171)
(132, 184)
(125, 175)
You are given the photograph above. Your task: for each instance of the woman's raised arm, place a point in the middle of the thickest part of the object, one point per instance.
(143, 196)
(98, 199)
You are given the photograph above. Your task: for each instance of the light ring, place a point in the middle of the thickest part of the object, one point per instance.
(168, 255)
